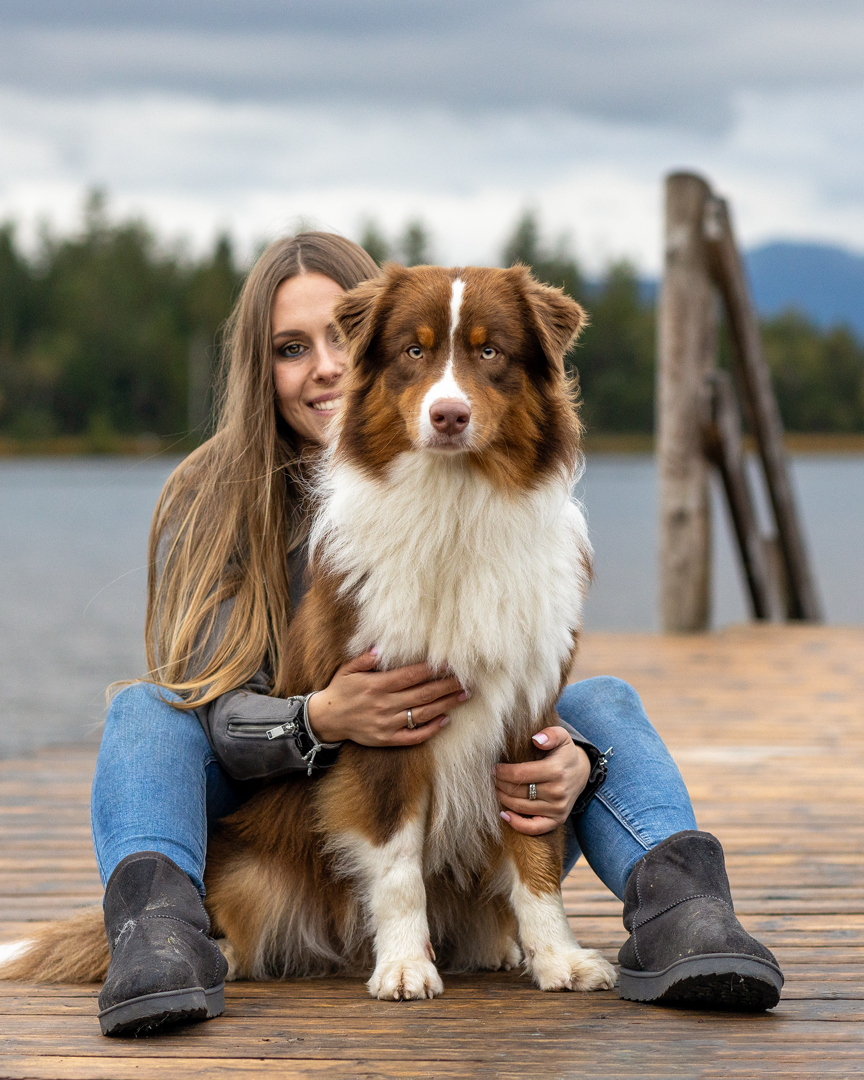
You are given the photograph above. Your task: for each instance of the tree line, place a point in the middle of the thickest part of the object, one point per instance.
(98, 334)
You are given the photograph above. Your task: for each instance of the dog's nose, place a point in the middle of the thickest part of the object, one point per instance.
(449, 416)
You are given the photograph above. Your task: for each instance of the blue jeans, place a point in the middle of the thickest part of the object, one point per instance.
(644, 799)
(158, 784)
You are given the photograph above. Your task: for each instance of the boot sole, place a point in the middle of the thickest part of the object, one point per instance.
(721, 981)
(144, 1014)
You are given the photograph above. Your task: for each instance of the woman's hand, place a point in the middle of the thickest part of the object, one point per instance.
(371, 707)
(560, 777)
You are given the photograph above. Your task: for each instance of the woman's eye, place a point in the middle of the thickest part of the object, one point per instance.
(489, 353)
(292, 349)
(415, 352)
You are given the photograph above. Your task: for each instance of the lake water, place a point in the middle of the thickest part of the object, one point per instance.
(73, 542)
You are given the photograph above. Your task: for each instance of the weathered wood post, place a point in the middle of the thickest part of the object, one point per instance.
(699, 423)
(686, 351)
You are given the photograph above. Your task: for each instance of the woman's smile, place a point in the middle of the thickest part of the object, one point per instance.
(326, 403)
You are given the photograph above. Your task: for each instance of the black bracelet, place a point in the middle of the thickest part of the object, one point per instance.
(597, 776)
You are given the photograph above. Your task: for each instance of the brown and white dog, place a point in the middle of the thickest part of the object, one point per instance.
(446, 533)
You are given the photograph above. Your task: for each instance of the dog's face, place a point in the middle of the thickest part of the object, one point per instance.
(462, 362)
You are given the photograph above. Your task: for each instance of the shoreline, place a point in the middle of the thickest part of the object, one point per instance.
(796, 442)
(624, 444)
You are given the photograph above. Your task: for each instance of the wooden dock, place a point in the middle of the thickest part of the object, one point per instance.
(767, 724)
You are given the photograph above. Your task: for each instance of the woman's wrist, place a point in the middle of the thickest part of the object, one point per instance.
(321, 721)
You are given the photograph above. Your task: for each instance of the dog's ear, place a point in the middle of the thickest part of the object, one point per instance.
(555, 317)
(358, 313)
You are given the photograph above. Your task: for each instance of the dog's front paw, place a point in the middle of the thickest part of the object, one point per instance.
(573, 969)
(405, 980)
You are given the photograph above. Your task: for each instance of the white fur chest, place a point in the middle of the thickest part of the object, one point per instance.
(443, 567)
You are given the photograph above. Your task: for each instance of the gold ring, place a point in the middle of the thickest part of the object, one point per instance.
(410, 725)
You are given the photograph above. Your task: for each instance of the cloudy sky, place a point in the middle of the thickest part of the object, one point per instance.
(250, 115)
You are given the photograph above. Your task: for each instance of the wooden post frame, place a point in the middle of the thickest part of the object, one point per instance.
(698, 421)
(763, 414)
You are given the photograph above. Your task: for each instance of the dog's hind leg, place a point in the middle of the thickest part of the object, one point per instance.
(552, 954)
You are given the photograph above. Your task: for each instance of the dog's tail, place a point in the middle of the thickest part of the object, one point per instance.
(72, 951)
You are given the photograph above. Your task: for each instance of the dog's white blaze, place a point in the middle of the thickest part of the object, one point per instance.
(457, 291)
(447, 568)
(391, 881)
(446, 386)
(552, 954)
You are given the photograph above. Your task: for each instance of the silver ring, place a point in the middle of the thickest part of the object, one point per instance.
(532, 792)
(410, 725)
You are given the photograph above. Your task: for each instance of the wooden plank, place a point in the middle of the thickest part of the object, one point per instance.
(460, 1000)
(547, 1045)
(120, 1068)
(90, 1067)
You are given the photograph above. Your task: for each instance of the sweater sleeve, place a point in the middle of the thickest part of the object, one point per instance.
(256, 736)
(253, 734)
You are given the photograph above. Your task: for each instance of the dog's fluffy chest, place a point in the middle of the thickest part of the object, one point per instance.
(443, 567)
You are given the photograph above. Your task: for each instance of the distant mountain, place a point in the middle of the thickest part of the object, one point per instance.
(825, 283)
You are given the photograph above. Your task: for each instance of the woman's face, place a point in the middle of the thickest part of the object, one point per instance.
(307, 359)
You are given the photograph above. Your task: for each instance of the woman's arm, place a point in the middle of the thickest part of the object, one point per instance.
(369, 707)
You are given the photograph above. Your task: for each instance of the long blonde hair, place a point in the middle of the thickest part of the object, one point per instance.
(232, 511)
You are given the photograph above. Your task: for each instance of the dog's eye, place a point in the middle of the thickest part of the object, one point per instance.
(488, 353)
(415, 352)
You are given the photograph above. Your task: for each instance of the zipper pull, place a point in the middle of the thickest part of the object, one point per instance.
(284, 729)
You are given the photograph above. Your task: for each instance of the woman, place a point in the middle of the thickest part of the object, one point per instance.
(227, 559)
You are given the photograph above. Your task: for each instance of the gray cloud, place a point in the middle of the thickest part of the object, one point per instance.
(672, 62)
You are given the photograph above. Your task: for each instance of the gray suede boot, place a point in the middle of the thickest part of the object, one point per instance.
(686, 946)
(165, 968)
